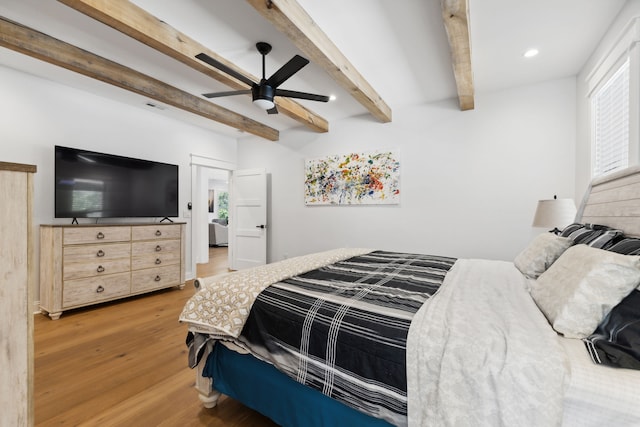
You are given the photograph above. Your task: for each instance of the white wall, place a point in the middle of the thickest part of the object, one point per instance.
(36, 114)
(470, 180)
(583, 137)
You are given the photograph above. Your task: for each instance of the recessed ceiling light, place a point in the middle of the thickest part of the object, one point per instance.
(531, 53)
(332, 97)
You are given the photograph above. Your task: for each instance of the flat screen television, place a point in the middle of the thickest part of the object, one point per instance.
(98, 185)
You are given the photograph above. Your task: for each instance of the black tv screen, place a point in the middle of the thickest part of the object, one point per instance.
(98, 185)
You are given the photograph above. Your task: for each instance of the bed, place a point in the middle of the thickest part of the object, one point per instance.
(363, 337)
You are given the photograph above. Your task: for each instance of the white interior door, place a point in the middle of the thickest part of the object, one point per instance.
(248, 218)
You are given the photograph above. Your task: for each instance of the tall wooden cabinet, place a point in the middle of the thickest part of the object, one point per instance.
(16, 299)
(82, 265)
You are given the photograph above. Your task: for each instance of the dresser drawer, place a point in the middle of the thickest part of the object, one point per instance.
(152, 232)
(81, 235)
(97, 267)
(159, 260)
(155, 278)
(96, 253)
(95, 289)
(155, 253)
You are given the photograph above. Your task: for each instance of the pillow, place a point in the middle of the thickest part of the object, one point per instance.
(582, 286)
(594, 235)
(625, 246)
(540, 254)
(616, 341)
(571, 228)
(577, 225)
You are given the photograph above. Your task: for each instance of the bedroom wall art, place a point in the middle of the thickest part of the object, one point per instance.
(212, 195)
(370, 178)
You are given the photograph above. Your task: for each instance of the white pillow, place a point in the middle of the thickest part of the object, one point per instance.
(536, 258)
(582, 286)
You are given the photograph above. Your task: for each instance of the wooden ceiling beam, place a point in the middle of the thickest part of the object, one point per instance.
(455, 14)
(30, 42)
(292, 20)
(137, 23)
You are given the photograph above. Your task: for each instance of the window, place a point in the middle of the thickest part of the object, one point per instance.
(610, 117)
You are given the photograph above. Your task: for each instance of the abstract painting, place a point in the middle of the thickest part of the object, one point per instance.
(370, 178)
(212, 195)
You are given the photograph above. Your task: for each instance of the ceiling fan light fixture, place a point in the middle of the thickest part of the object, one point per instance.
(265, 104)
(263, 92)
(263, 96)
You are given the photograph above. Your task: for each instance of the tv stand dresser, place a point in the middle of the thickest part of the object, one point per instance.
(81, 265)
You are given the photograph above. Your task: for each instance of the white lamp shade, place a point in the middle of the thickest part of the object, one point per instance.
(265, 104)
(554, 213)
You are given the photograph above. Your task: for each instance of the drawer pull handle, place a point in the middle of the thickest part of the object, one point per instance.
(157, 279)
(158, 233)
(100, 269)
(100, 235)
(158, 248)
(99, 289)
(158, 261)
(100, 253)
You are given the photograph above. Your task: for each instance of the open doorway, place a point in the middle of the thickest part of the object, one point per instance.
(210, 211)
(218, 207)
(246, 213)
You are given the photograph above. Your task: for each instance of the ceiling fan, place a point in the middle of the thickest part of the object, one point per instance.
(264, 92)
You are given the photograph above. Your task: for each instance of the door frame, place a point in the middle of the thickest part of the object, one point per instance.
(198, 164)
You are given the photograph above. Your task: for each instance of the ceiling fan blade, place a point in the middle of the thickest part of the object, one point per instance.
(287, 70)
(229, 93)
(273, 110)
(301, 95)
(220, 66)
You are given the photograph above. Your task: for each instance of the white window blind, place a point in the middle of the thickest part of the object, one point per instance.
(610, 109)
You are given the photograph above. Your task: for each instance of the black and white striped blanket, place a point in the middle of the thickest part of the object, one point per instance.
(342, 328)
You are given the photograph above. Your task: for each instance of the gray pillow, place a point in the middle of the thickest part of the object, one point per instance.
(543, 250)
(582, 287)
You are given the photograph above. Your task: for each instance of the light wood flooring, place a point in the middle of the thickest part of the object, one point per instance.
(125, 364)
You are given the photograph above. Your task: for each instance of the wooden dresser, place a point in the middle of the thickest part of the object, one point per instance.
(16, 294)
(82, 265)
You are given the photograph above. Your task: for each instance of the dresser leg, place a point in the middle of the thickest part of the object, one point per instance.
(55, 316)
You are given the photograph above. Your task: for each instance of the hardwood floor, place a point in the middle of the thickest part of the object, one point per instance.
(125, 364)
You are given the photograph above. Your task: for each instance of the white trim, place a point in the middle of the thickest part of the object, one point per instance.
(211, 162)
(634, 104)
(629, 37)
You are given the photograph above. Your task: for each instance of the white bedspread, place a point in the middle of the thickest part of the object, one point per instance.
(480, 353)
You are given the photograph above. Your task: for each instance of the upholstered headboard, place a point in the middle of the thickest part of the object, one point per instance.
(614, 200)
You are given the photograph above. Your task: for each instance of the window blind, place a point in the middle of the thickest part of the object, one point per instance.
(610, 109)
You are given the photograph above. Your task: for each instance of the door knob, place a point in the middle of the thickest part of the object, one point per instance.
(260, 226)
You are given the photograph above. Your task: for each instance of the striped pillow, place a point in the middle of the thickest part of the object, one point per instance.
(625, 245)
(616, 341)
(594, 235)
(571, 228)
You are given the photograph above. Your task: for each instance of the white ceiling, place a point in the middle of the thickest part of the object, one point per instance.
(400, 47)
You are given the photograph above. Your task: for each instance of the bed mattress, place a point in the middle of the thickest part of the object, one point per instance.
(599, 395)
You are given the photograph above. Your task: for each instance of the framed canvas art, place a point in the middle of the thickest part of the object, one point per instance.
(370, 178)
(212, 195)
